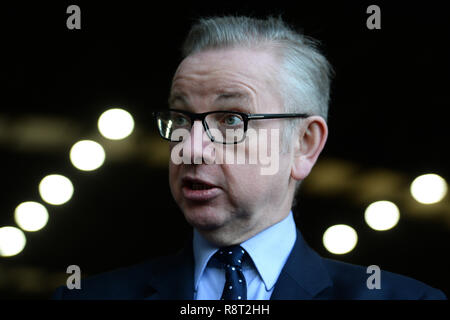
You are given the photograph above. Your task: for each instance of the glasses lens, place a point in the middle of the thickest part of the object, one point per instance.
(226, 127)
(168, 123)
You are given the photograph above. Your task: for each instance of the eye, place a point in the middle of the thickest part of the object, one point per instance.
(232, 120)
(180, 120)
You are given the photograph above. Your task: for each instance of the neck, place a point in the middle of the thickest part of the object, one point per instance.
(240, 232)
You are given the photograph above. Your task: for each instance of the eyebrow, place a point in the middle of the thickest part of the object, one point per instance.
(232, 96)
(177, 97)
(227, 97)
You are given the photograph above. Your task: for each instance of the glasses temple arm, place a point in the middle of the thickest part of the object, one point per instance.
(276, 116)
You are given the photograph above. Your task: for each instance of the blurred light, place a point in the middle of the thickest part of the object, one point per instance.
(382, 215)
(115, 124)
(56, 189)
(31, 216)
(340, 239)
(87, 155)
(12, 241)
(429, 188)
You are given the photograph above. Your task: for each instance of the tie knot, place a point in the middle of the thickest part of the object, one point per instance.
(232, 255)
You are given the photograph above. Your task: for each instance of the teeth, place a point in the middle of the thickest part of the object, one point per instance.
(200, 186)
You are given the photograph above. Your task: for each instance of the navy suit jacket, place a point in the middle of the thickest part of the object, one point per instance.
(305, 275)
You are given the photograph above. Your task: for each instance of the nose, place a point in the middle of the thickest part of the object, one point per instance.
(199, 141)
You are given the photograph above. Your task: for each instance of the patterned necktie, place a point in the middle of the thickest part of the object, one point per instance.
(235, 286)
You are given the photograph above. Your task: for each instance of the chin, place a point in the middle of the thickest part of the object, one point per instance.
(204, 218)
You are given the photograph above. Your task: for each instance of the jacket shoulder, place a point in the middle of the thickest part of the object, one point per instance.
(353, 281)
(122, 283)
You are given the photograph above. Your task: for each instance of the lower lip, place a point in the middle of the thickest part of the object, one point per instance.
(200, 195)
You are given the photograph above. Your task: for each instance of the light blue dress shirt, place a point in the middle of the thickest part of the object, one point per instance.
(269, 251)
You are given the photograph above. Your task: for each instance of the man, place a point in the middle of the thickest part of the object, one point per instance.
(241, 78)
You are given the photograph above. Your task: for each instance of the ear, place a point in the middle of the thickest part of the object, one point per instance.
(309, 143)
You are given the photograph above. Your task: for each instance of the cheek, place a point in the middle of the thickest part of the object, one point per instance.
(244, 182)
(173, 174)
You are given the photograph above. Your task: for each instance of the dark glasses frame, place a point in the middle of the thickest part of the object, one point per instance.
(245, 116)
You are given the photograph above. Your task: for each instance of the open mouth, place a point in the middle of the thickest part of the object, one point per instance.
(195, 184)
(199, 186)
(198, 190)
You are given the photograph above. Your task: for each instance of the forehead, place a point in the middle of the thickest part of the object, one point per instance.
(241, 59)
(234, 74)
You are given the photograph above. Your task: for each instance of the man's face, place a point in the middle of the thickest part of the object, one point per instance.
(239, 201)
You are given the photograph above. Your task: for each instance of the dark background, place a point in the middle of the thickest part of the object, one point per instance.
(388, 114)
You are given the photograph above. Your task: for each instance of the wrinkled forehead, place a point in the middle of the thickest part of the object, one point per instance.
(226, 74)
(251, 61)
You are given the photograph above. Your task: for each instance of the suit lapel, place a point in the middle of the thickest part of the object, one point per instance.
(173, 277)
(303, 276)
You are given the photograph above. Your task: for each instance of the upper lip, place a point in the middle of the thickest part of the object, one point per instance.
(188, 181)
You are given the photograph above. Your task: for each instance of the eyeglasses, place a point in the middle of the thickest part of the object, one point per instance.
(226, 127)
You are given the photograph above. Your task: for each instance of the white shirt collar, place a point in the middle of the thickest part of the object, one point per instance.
(269, 250)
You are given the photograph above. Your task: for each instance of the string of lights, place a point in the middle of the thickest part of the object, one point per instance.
(56, 189)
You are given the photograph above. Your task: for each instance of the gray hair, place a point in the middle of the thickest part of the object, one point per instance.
(305, 73)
